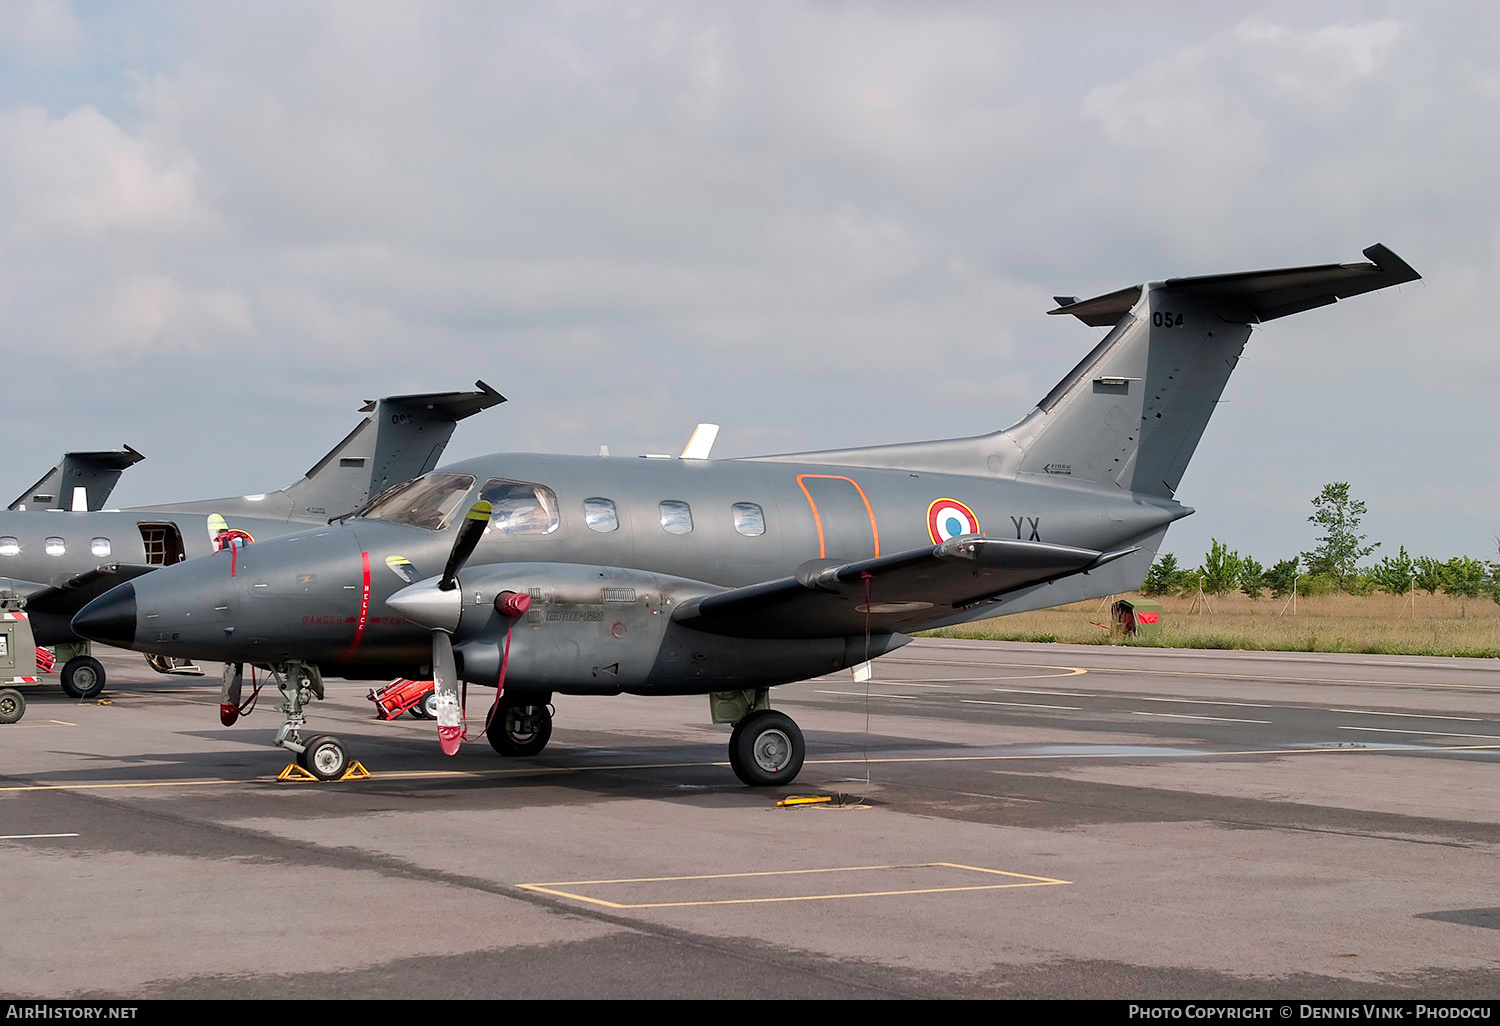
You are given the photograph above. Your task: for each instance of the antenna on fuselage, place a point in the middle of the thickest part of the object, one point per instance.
(701, 443)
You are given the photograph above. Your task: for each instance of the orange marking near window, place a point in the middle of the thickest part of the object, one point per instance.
(822, 548)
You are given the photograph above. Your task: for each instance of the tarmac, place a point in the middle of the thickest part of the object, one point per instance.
(1005, 820)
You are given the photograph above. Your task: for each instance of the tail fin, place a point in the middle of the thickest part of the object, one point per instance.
(403, 437)
(1132, 412)
(81, 481)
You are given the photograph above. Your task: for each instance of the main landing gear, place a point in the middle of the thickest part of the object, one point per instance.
(520, 730)
(82, 676)
(766, 748)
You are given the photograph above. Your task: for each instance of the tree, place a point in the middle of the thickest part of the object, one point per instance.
(1252, 577)
(1429, 576)
(1394, 574)
(1221, 568)
(1339, 550)
(1161, 578)
(1281, 577)
(1464, 577)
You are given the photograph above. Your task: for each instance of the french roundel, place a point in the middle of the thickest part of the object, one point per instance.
(949, 518)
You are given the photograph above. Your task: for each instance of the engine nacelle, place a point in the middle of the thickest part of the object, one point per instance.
(589, 629)
(607, 630)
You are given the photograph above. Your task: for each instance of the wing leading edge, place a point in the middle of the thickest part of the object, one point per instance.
(900, 592)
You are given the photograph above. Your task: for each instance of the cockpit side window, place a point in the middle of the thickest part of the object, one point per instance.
(519, 507)
(428, 502)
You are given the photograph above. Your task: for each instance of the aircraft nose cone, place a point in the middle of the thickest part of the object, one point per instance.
(110, 618)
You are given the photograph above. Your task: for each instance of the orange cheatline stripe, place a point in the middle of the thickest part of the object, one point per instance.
(874, 529)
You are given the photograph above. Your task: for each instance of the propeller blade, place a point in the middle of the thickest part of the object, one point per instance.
(469, 532)
(445, 686)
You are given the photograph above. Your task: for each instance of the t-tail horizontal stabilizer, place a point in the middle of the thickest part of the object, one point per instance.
(81, 481)
(403, 437)
(1252, 297)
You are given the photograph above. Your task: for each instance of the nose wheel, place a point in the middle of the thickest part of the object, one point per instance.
(766, 749)
(325, 757)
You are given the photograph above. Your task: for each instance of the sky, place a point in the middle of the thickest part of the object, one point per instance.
(224, 226)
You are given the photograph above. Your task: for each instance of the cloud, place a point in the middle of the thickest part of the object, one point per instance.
(820, 225)
(41, 32)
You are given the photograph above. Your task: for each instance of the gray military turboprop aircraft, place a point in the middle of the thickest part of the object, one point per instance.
(59, 559)
(81, 481)
(590, 575)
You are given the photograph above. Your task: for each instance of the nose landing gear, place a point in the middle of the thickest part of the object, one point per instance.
(322, 755)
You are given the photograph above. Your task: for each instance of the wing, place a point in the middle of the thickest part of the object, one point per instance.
(70, 594)
(902, 592)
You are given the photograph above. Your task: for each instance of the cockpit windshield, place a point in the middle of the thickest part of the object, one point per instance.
(427, 502)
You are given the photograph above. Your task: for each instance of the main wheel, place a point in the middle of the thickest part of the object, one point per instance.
(520, 730)
(12, 705)
(766, 749)
(324, 757)
(82, 677)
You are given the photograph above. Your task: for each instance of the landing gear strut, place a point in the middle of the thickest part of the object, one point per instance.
(520, 730)
(322, 755)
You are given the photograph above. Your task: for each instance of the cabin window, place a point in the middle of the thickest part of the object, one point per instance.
(749, 519)
(521, 508)
(99, 546)
(56, 546)
(600, 515)
(10, 546)
(427, 502)
(676, 517)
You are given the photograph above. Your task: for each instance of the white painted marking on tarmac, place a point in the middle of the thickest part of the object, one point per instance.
(1410, 716)
(1232, 676)
(873, 694)
(1020, 705)
(1424, 733)
(914, 684)
(1185, 716)
(27, 837)
(1058, 694)
(1200, 701)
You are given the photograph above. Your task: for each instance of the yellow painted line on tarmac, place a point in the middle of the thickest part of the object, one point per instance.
(551, 888)
(852, 760)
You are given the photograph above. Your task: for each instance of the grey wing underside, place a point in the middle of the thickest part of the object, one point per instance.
(1256, 296)
(902, 592)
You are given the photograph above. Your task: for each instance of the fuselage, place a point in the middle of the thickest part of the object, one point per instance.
(676, 529)
(42, 548)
